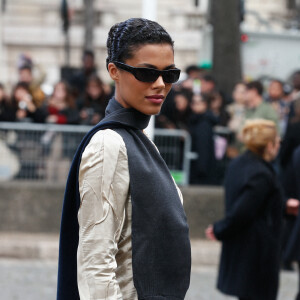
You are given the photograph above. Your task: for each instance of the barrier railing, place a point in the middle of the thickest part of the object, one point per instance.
(43, 152)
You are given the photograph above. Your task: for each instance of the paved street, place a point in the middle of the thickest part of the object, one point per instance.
(36, 280)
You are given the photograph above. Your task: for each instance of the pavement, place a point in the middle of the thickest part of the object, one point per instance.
(28, 269)
(45, 246)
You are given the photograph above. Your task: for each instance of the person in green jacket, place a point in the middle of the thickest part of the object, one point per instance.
(257, 108)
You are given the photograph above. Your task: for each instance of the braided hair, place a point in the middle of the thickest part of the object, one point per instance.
(126, 37)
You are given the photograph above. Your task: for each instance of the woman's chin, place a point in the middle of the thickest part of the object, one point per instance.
(152, 112)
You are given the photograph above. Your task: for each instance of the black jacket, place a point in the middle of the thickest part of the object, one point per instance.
(292, 252)
(290, 143)
(251, 230)
(7, 113)
(203, 169)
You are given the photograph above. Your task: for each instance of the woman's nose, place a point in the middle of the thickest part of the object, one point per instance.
(159, 83)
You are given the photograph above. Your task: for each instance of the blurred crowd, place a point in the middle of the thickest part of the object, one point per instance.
(79, 99)
(196, 104)
(215, 119)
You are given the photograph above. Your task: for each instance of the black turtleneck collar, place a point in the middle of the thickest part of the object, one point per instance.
(128, 116)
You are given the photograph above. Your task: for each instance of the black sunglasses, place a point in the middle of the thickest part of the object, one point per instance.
(149, 74)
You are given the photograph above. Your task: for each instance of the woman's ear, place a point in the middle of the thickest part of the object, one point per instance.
(269, 146)
(269, 150)
(113, 72)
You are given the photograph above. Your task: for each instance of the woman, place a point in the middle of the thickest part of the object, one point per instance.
(176, 113)
(61, 107)
(236, 112)
(7, 113)
(201, 124)
(217, 107)
(291, 141)
(250, 231)
(275, 97)
(132, 237)
(92, 105)
(23, 105)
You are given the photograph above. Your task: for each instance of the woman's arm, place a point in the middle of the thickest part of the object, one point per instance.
(246, 207)
(101, 215)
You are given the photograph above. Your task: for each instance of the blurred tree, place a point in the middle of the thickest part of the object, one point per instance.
(294, 13)
(89, 22)
(225, 18)
(64, 13)
(3, 5)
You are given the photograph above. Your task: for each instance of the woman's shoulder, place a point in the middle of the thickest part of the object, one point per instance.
(247, 169)
(109, 137)
(251, 164)
(107, 140)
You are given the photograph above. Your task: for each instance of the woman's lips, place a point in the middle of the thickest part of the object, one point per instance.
(157, 99)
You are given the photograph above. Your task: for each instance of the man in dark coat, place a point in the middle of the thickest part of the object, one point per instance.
(79, 80)
(290, 142)
(292, 252)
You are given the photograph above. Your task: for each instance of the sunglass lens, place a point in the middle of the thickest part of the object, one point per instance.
(146, 75)
(151, 75)
(171, 76)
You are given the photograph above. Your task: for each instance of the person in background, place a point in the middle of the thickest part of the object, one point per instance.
(24, 106)
(7, 113)
(25, 73)
(182, 109)
(292, 253)
(295, 93)
(236, 112)
(217, 105)
(26, 144)
(296, 85)
(237, 108)
(79, 80)
(275, 97)
(287, 92)
(178, 115)
(291, 141)
(251, 229)
(193, 80)
(93, 104)
(291, 138)
(60, 106)
(256, 107)
(208, 84)
(201, 129)
(193, 72)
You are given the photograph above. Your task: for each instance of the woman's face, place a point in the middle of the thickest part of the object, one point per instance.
(94, 90)
(181, 102)
(216, 103)
(275, 90)
(60, 92)
(239, 93)
(198, 105)
(146, 97)
(20, 93)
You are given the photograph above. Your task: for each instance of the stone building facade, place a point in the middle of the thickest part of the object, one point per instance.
(34, 27)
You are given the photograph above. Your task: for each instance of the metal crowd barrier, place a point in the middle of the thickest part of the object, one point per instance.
(43, 152)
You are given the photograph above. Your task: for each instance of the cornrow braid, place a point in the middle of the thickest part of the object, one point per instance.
(125, 37)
